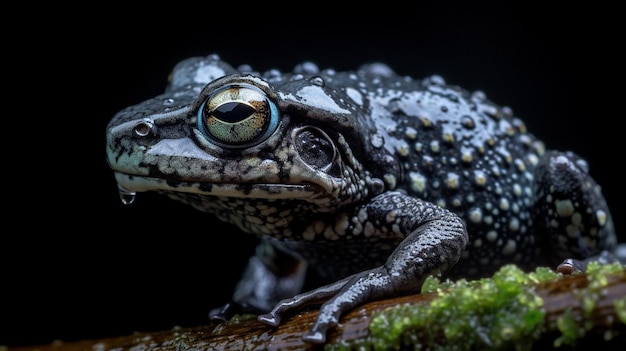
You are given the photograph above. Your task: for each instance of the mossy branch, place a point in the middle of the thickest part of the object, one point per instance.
(578, 311)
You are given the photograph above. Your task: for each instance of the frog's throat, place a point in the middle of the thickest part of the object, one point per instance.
(131, 184)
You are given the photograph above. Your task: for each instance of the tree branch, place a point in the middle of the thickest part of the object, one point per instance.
(563, 302)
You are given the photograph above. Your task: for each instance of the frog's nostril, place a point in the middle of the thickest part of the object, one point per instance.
(315, 148)
(144, 128)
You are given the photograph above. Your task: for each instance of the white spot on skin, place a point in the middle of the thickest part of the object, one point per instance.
(480, 178)
(601, 216)
(447, 137)
(434, 146)
(504, 204)
(330, 234)
(532, 159)
(517, 189)
(318, 227)
(495, 170)
(418, 182)
(390, 179)
(308, 234)
(491, 235)
(528, 192)
(410, 133)
(357, 226)
(402, 149)
(475, 215)
(362, 215)
(391, 216)
(452, 180)
(564, 208)
(466, 155)
(509, 248)
(341, 225)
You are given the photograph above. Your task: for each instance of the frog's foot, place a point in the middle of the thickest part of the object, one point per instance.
(340, 297)
(224, 313)
(270, 276)
(228, 310)
(573, 266)
(299, 301)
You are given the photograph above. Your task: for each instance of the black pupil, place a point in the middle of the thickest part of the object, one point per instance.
(233, 112)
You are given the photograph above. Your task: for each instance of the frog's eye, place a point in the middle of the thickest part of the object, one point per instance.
(238, 116)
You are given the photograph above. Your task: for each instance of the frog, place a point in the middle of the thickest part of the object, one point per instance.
(366, 180)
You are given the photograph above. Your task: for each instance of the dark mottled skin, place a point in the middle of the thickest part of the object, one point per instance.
(368, 180)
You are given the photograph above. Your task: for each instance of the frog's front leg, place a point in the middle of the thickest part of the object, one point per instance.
(271, 275)
(433, 241)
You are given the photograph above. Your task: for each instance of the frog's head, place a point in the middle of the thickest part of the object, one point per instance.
(239, 136)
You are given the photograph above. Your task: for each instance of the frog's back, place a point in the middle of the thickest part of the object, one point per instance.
(461, 151)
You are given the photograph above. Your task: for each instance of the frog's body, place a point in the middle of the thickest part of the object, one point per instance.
(371, 180)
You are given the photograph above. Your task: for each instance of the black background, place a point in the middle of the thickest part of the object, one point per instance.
(82, 265)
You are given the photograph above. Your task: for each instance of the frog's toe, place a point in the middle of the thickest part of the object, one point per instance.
(316, 337)
(270, 319)
(571, 266)
(221, 314)
(226, 312)
(327, 318)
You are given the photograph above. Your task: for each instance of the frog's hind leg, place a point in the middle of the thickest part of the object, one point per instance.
(270, 276)
(570, 210)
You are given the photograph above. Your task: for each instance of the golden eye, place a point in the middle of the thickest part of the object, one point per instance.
(238, 115)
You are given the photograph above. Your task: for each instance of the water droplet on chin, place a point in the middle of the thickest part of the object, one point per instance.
(127, 197)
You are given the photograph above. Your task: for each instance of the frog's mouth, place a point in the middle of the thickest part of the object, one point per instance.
(129, 185)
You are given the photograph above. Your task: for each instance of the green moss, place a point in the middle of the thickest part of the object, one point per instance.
(502, 312)
(570, 330)
(496, 313)
(598, 279)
